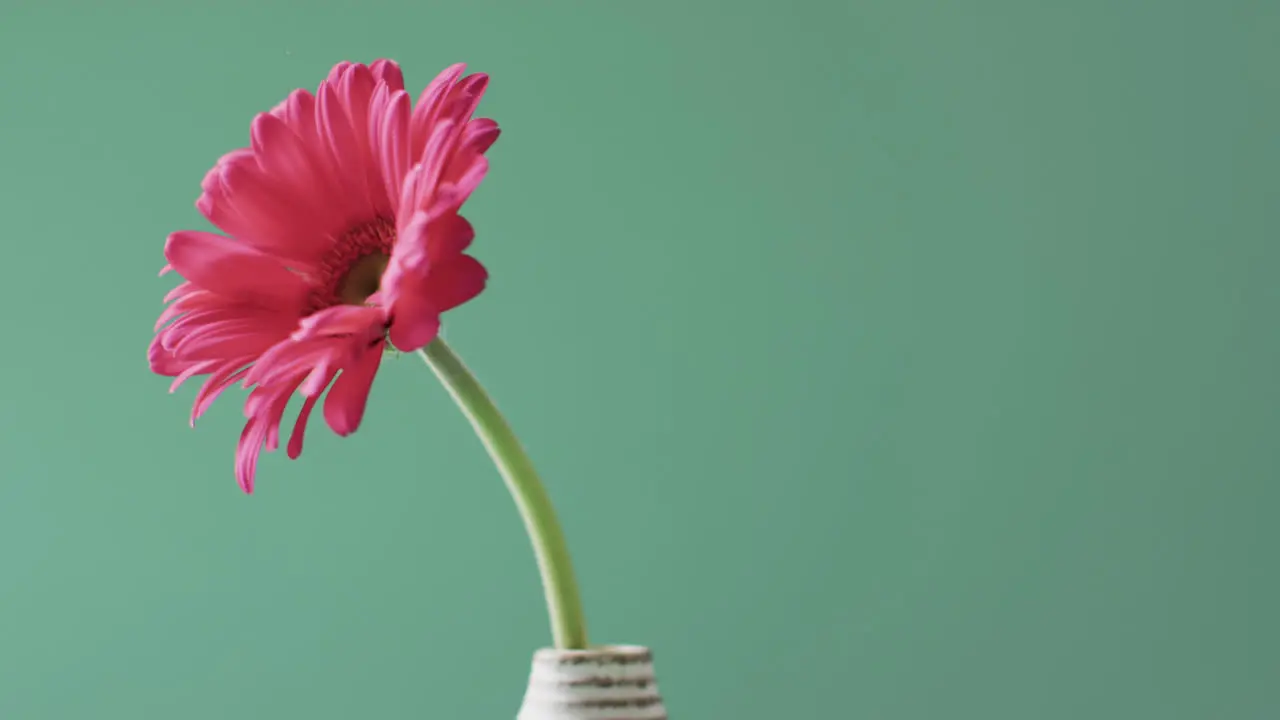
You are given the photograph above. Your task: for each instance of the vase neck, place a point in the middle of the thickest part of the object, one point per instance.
(606, 683)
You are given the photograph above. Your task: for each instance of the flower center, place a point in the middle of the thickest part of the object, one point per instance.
(363, 278)
(352, 269)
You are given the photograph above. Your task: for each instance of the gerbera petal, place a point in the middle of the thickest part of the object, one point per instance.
(428, 107)
(300, 115)
(407, 258)
(270, 217)
(423, 241)
(417, 323)
(287, 358)
(435, 156)
(467, 94)
(247, 452)
(199, 368)
(345, 404)
(344, 151)
(200, 301)
(203, 335)
(336, 73)
(388, 72)
(340, 321)
(253, 343)
(294, 448)
(319, 378)
(238, 216)
(235, 270)
(182, 290)
(422, 298)
(201, 323)
(162, 362)
(456, 281)
(456, 188)
(356, 89)
(280, 151)
(389, 141)
(285, 157)
(223, 378)
(407, 208)
(273, 412)
(479, 135)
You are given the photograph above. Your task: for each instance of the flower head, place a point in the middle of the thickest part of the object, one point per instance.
(343, 234)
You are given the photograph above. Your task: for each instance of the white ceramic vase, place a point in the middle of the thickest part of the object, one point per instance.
(614, 682)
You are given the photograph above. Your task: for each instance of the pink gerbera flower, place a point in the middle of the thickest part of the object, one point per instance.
(343, 234)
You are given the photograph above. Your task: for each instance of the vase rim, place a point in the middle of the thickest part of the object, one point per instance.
(598, 651)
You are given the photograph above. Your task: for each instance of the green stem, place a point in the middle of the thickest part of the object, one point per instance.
(568, 626)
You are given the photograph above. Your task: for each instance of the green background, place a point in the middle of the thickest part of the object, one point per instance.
(886, 359)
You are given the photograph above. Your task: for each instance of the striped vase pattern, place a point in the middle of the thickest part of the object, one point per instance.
(614, 682)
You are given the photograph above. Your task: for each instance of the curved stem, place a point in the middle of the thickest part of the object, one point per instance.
(568, 626)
